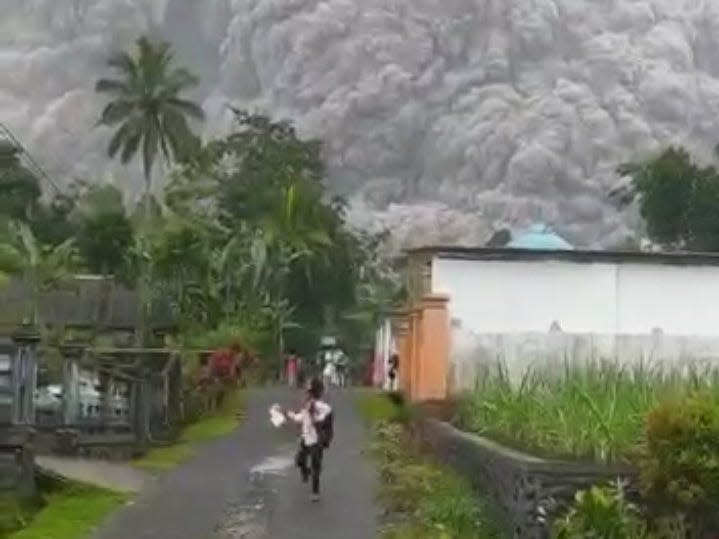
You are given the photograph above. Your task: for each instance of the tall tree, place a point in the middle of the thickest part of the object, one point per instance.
(146, 106)
(678, 199)
(149, 113)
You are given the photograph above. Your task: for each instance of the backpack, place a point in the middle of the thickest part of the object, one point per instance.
(326, 430)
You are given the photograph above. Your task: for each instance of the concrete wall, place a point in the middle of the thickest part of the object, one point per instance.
(383, 349)
(523, 312)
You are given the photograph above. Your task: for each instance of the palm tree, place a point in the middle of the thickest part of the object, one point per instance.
(146, 106)
(149, 113)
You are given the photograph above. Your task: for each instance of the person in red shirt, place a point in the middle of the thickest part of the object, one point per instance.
(292, 367)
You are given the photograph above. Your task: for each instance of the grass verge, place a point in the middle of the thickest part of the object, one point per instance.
(423, 499)
(221, 424)
(70, 511)
(593, 411)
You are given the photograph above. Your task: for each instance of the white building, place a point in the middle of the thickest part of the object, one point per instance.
(539, 300)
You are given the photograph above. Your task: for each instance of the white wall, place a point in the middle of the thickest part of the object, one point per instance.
(680, 300)
(503, 310)
(498, 297)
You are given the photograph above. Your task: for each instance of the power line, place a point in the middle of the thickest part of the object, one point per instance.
(34, 166)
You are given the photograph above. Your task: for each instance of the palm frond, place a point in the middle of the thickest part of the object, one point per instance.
(124, 63)
(187, 107)
(112, 86)
(178, 80)
(132, 143)
(151, 142)
(115, 112)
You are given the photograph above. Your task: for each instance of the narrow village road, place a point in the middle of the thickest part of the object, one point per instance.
(245, 486)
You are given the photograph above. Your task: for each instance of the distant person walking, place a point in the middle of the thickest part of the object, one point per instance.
(316, 420)
(393, 369)
(292, 364)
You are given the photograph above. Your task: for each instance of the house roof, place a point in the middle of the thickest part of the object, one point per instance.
(577, 256)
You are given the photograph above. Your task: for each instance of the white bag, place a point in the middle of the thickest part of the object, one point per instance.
(277, 418)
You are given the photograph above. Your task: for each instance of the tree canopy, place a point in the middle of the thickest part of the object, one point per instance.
(678, 200)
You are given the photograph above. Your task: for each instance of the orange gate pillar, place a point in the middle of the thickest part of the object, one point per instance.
(432, 367)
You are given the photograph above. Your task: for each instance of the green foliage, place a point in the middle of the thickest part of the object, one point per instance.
(678, 199)
(679, 464)
(19, 186)
(104, 231)
(601, 513)
(71, 512)
(593, 411)
(427, 501)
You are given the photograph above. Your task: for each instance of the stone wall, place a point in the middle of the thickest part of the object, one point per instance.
(17, 461)
(528, 491)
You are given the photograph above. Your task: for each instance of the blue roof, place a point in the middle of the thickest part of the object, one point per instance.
(540, 238)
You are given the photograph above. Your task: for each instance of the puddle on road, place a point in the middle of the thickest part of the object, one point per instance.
(277, 465)
(249, 520)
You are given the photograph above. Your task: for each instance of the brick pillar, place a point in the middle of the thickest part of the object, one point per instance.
(433, 356)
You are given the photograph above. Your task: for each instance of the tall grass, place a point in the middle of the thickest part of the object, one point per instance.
(591, 411)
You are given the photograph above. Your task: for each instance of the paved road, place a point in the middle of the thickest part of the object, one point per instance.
(245, 486)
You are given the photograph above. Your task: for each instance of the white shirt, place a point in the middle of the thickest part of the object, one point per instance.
(309, 432)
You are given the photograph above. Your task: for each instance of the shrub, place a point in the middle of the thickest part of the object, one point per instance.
(679, 463)
(601, 513)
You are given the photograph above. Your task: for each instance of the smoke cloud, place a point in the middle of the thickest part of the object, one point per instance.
(441, 118)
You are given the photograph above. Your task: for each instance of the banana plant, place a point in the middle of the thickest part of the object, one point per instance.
(41, 267)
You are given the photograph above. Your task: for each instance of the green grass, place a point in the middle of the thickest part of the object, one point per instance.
(72, 511)
(161, 459)
(375, 407)
(591, 412)
(424, 500)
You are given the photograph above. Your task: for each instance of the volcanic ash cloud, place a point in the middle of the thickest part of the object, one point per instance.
(458, 114)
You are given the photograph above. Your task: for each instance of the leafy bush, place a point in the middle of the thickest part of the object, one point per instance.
(601, 513)
(592, 411)
(679, 464)
(225, 334)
